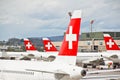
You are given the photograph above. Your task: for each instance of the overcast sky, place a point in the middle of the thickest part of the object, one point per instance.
(44, 18)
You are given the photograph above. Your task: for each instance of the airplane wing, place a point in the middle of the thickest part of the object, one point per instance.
(90, 60)
(57, 73)
(115, 60)
(52, 72)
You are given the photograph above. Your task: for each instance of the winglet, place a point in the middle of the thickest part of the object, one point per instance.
(110, 43)
(48, 46)
(28, 45)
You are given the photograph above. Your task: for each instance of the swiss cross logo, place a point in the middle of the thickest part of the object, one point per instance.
(110, 43)
(48, 45)
(28, 45)
(70, 37)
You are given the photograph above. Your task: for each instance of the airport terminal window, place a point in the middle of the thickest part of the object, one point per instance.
(88, 43)
(87, 35)
(117, 34)
(100, 43)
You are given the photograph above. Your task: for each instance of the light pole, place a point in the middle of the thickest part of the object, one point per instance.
(70, 14)
(92, 39)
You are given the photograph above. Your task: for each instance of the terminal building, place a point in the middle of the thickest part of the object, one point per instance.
(93, 41)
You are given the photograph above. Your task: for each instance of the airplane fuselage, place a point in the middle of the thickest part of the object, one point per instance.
(35, 70)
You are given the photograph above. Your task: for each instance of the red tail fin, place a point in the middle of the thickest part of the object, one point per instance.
(70, 43)
(48, 46)
(68, 50)
(28, 45)
(110, 43)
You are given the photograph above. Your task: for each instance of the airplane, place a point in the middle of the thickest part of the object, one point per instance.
(63, 67)
(110, 43)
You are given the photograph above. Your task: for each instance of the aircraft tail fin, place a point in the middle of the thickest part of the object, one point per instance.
(48, 45)
(28, 45)
(69, 48)
(110, 43)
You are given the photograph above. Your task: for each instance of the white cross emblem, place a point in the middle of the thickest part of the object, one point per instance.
(70, 37)
(28, 45)
(48, 45)
(110, 43)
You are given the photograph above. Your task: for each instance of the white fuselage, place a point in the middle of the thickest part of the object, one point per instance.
(35, 70)
(35, 53)
(19, 54)
(97, 55)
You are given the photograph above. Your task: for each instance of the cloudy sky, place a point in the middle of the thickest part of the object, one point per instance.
(44, 18)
